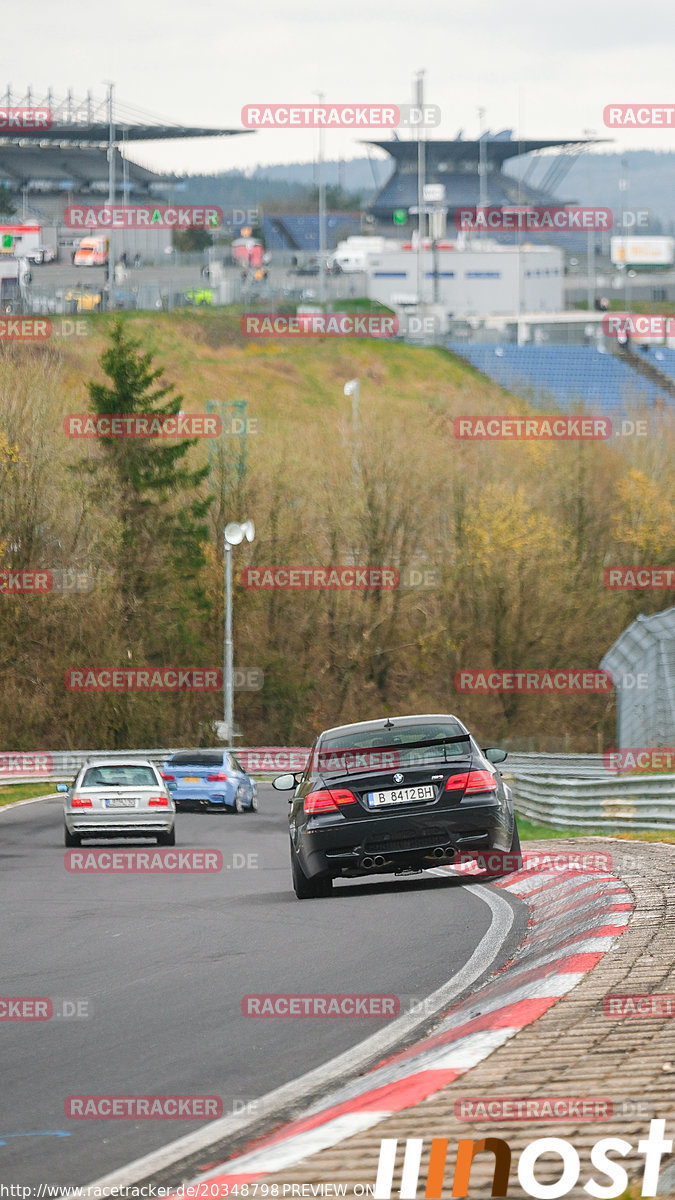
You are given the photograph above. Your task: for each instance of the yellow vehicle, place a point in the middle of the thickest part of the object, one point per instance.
(92, 252)
(199, 296)
(81, 299)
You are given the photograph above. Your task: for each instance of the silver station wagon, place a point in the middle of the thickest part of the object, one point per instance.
(118, 798)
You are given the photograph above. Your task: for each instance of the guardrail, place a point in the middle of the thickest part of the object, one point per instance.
(636, 802)
(565, 791)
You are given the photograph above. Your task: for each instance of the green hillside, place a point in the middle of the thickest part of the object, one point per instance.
(518, 534)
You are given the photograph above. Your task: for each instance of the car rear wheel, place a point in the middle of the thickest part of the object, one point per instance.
(71, 839)
(239, 801)
(308, 889)
(167, 839)
(253, 806)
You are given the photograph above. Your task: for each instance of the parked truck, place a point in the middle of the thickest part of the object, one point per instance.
(25, 241)
(92, 252)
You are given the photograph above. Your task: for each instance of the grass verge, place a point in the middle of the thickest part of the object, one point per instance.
(530, 832)
(24, 791)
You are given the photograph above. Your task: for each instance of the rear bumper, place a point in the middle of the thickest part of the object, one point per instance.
(402, 841)
(204, 800)
(120, 824)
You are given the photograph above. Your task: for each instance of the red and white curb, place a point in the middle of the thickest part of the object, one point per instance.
(575, 919)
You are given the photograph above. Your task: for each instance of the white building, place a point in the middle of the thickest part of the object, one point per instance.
(475, 282)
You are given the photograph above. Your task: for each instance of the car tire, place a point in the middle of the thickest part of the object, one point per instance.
(71, 839)
(308, 889)
(238, 801)
(253, 806)
(167, 839)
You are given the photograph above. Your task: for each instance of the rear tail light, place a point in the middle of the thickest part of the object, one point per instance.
(472, 781)
(167, 776)
(328, 800)
(81, 802)
(221, 776)
(159, 801)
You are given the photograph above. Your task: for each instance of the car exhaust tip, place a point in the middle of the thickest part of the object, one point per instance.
(367, 862)
(379, 860)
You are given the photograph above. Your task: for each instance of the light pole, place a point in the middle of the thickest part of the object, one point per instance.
(352, 389)
(590, 243)
(322, 213)
(421, 174)
(233, 534)
(111, 192)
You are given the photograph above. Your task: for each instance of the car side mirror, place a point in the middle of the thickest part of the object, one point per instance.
(283, 783)
(495, 754)
(62, 787)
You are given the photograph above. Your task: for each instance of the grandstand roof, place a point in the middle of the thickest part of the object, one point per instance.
(455, 164)
(72, 154)
(458, 151)
(86, 121)
(97, 133)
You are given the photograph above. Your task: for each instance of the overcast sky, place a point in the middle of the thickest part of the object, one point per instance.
(543, 69)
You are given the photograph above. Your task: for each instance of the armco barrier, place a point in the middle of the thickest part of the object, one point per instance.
(637, 802)
(566, 791)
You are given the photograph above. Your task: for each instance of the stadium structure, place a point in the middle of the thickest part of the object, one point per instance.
(456, 165)
(48, 169)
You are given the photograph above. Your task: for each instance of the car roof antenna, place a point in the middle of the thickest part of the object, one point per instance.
(389, 724)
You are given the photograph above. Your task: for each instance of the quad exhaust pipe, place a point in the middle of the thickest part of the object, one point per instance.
(443, 852)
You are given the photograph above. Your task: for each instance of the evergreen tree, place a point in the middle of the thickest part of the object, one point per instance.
(155, 494)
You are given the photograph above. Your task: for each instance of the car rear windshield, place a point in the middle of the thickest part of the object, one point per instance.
(402, 743)
(197, 758)
(119, 775)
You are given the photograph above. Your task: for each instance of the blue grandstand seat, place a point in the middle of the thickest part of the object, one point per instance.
(300, 231)
(565, 376)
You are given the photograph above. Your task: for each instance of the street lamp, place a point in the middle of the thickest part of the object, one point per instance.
(352, 389)
(233, 534)
(322, 213)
